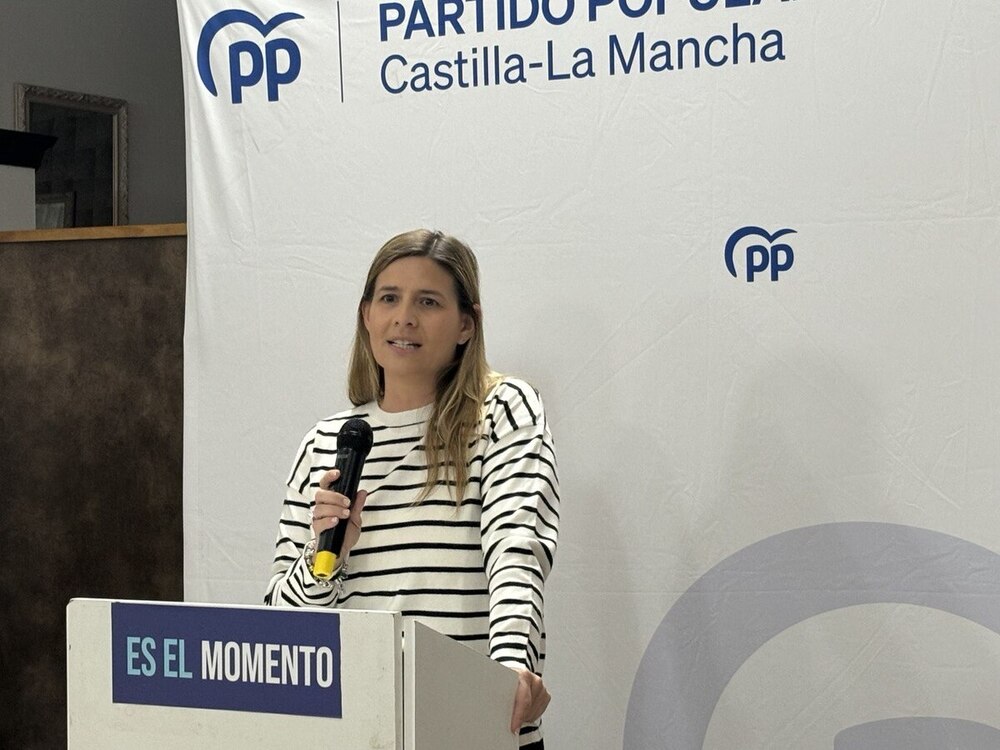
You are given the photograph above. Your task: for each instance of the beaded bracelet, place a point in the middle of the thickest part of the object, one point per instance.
(309, 555)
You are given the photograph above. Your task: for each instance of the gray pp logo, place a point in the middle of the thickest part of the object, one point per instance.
(755, 594)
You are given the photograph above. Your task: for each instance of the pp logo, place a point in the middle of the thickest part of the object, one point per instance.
(260, 64)
(761, 591)
(760, 256)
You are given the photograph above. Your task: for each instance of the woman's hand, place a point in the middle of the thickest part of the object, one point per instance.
(530, 700)
(332, 508)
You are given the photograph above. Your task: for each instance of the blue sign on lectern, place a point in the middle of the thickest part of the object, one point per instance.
(261, 660)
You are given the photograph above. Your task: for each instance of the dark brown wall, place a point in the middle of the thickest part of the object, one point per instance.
(91, 336)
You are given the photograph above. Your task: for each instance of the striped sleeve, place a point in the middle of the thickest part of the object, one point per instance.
(292, 584)
(520, 520)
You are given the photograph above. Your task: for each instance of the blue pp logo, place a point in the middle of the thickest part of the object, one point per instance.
(278, 62)
(759, 256)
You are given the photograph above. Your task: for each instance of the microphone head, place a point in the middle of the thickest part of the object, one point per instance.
(355, 435)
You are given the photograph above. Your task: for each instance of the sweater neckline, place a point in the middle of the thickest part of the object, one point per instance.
(402, 418)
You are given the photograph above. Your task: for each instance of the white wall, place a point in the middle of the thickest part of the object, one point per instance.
(118, 48)
(17, 198)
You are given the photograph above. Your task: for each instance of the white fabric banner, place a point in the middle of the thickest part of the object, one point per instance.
(747, 253)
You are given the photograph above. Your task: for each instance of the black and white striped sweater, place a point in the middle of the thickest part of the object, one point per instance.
(476, 573)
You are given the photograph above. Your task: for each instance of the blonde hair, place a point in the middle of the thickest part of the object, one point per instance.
(462, 385)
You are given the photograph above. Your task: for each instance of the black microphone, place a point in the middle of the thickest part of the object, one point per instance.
(354, 441)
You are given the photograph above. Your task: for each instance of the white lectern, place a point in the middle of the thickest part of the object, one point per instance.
(155, 675)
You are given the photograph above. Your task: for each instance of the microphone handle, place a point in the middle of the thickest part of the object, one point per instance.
(330, 542)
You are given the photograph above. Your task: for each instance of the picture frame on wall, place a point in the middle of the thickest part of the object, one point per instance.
(89, 161)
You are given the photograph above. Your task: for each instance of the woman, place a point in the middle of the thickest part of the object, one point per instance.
(459, 492)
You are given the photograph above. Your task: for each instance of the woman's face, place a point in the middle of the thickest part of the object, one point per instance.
(414, 322)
